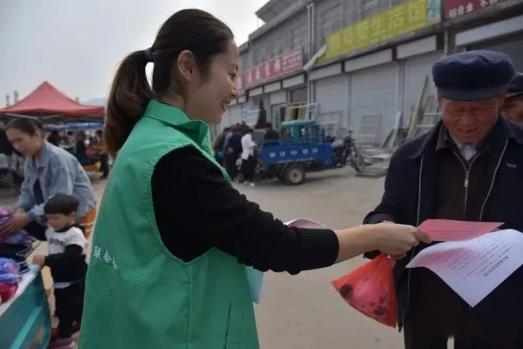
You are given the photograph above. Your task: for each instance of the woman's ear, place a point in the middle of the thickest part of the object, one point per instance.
(187, 66)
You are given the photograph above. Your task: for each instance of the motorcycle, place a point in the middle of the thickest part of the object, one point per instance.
(346, 151)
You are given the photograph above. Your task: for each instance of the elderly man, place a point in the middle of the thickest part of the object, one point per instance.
(513, 106)
(468, 167)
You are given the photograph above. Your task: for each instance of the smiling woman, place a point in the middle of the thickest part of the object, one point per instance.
(174, 237)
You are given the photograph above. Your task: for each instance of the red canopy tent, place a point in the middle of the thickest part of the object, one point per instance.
(47, 102)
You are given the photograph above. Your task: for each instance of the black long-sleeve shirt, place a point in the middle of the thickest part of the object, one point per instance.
(197, 209)
(68, 266)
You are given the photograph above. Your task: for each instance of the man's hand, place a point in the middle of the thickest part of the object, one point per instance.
(16, 223)
(39, 259)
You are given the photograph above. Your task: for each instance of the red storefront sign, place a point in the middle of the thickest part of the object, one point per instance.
(458, 8)
(287, 62)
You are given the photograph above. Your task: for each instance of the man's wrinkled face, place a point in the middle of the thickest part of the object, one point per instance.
(470, 121)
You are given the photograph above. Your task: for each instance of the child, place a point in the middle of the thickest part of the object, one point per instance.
(66, 258)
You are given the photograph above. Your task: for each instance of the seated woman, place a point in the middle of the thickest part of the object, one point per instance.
(49, 170)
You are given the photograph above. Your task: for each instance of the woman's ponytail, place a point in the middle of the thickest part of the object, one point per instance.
(130, 93)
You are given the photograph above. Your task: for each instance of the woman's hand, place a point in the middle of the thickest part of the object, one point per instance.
(397, 239)
(17, 221)
(390, 238)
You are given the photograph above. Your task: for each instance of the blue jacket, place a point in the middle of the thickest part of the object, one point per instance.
(410, 197)
(58, 171)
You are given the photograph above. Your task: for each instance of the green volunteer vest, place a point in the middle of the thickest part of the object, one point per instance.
(138, 295)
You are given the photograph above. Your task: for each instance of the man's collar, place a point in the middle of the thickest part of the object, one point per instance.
(446, 140)
(501, 129)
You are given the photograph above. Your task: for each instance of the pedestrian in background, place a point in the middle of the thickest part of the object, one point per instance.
(248, 165)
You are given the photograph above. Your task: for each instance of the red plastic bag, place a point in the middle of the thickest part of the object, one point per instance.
(370, 289)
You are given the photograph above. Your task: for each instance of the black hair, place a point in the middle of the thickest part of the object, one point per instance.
(25, 125)
(61, 203)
